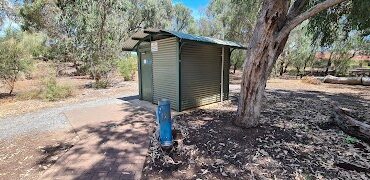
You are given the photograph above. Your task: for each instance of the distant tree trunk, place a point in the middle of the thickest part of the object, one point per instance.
(286, 67)
(12, 80)
(274, 24)
(11, 86)
(308, 59)
(328, 64)
(234, 68)
(11, 83)
(305, 65)
(281, 72)
(298, 71)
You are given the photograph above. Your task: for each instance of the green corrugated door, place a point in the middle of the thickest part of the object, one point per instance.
(146, 76)
(200, 74)
(166, 72)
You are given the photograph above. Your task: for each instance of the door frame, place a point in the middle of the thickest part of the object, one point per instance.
(141, 96)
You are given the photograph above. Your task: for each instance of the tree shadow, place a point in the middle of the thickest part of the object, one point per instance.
(129, 98)
(313, 99)
(295, 139)
(6, 95)
(362, 89)
(51, 151)
(114, 149)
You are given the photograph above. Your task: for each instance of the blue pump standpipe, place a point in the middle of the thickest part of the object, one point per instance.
(165, 123)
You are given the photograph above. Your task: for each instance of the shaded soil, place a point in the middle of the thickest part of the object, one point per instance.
(296, 140)
(27, 157)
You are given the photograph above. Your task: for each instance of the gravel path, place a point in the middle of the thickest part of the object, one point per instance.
(48, 119)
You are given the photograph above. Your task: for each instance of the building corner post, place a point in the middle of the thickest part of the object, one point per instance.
(222, 73)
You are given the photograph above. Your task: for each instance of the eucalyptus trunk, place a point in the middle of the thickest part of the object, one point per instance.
(263, 51)
(275, 21)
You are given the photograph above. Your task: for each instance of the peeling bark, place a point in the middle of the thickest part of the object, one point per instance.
(261, 56)
(271, 32)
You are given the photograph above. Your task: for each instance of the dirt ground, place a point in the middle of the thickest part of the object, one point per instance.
(296, 140)
(27, 157)
(82, 91)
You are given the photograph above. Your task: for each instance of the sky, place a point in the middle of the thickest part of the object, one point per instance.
(197, 6)
(8, 23)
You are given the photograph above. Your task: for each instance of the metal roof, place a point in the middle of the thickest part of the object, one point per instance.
(205, 39)
(130, 44)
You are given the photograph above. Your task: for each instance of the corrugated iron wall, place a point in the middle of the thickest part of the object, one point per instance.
(166, 72)
(226, 72)
(200, 74)
(143, 47)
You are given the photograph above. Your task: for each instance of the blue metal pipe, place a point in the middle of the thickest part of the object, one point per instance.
(165, 122)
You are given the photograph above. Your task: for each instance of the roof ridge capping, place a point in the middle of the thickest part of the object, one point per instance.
(134, 40)
(207, 39)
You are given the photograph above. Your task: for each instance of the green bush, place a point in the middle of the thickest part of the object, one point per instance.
(319, 63)
(14, 59)
(342, 67)
(127, 67)
(101, 84)
(351, 140)
(52, 91)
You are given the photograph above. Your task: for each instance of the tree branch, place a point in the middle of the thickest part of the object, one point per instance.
(291, 24)
(296, 8)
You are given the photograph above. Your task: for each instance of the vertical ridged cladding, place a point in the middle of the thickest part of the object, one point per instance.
(143, 47)
(226, 72)
(200, 74)
(165, 71)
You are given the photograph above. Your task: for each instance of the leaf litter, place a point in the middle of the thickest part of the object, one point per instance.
(296, 140)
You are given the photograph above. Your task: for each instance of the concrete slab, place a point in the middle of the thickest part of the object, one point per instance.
(113, 143)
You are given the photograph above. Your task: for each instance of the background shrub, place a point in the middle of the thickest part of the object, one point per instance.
(101, 84)
(127, 67)
(52, 91)
(14, 59)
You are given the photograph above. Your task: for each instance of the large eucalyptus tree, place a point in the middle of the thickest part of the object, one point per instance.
(276, 19)
(182, 18)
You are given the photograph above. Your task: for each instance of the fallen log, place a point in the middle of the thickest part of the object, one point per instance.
(343, 80)
(350, 125)
(366, 81)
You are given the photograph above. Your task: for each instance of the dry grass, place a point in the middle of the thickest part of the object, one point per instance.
(38, 90)
(29, 95)
(311, 80)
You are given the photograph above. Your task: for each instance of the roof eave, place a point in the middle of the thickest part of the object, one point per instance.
(194, 38)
